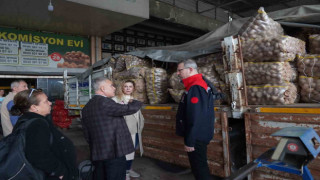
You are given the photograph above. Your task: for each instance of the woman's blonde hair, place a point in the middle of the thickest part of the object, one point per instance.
(119, 92)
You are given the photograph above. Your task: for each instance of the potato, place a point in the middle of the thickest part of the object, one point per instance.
(175, 82)
(157, 85)
(210, 74)
(309, 65)
(134, 61)
(314, 43)
(133, 73)
(310, 89)
(120, 64)
(260, 26)
(176, 94)
(282, 48)
(268, 72)
(272, 94)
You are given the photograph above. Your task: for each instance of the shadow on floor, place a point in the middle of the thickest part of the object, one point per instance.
(152, 169)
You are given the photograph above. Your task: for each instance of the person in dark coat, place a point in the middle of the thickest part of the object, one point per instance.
(46, 148)
(195, 117)
(106, 131)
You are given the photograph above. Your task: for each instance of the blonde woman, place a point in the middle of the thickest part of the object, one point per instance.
(135, 122)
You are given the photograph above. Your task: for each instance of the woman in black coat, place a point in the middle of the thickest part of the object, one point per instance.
(46, 148)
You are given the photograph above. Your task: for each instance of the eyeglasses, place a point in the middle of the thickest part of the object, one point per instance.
(40, 90)
(179, 70)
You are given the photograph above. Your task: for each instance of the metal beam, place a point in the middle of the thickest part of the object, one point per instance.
(265, 4)
(207, 10)
(246, 2)
(219, 5)
(229, 3)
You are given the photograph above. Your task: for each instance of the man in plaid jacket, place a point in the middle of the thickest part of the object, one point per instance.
(106, 131)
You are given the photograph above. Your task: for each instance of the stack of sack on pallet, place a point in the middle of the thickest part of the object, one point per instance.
(157, 85)
(267, 53)
(176, 87)
(309, 71)
(207, 67)
(211, 67)
(128, 67)
(60, 115)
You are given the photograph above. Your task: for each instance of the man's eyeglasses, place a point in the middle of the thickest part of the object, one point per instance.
(179, 70)
(34, 90)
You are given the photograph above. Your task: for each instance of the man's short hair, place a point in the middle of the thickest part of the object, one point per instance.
(16, 83)
(97, 82)
(189, 63)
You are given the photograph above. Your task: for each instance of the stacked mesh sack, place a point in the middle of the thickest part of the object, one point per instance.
(176, 87)
(206, 66)
(267, 54)
(309, 71)
(128, 67)
(211, 66)
(157, 85)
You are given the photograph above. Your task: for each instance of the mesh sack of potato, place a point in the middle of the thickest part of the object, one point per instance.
(111, 63)
(209, 73)
(218, 65)
(267, 72)
(270, 94)
(132, 73)
(294, 70)
(223, 88)
(176, 94)
(120, 64)
(260, 26)
(282, 48)
(141, 96)
(204, 60)
(157, 85)
(310, 89)
(140, 85)
(134, 61)
(314, 43)
(175, 82)
(309, 65)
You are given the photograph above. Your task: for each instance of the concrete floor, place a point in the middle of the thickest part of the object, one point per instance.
(151, 169)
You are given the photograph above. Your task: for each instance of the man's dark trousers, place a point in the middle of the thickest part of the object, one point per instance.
(111, 169)
(198, 161)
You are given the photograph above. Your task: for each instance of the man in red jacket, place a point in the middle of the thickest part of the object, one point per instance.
(195, 117)
(107, 132)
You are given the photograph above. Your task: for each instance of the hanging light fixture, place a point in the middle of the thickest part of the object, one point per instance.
(50, 6)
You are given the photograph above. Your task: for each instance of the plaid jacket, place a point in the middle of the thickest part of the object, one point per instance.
(105, 128)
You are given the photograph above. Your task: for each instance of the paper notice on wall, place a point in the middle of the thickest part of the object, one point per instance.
(9, 59)
(35, 54)
(34, 49)
(9, 47)
(42, 61)
(9, 51)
